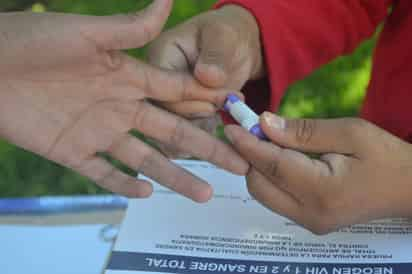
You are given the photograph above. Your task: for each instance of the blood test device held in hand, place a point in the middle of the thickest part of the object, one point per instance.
(246, 117)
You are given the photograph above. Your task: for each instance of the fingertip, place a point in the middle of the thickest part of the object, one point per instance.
(222, 97)
(204, 195)
(160, 6)
(273, 125)
(263, 121)
(144, 189)
(154, 18)
(119, 32)
(210, 75)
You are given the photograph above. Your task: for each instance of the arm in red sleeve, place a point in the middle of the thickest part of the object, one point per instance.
(298, 36)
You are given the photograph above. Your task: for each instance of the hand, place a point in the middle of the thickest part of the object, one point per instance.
(67, 92)
(363, 172)
(220, 49)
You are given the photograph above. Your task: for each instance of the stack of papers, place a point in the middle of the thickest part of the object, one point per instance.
(234, 234)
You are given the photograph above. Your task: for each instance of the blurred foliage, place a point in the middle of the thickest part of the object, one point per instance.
(13, 5)
(335, 90)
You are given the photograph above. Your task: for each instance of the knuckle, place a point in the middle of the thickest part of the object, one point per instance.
(149, 160)
(212, 56)
(304, 130)
(355, 126)
(140, 117)
(134, 17)
(220, 27)
(148, 32)
(227, 36)
(209, 124)
(172, 152)
(178, 133)
(145, 21)
(114, 60)
(213, 153)
(252, 184)
(252, 190)
(185, 92)
(117, 41)
(272, 170)
(182, 92)
(117, 145)
(103, 179)
(147, 82)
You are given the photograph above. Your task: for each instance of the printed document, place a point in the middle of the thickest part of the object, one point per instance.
(233, 233)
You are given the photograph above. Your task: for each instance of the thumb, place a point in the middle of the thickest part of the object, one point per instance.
(311, 135)
(119, 32)
(217, 49)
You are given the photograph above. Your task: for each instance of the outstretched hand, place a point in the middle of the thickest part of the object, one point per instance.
(67, 92)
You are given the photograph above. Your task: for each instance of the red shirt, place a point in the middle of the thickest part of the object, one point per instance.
(299, 36)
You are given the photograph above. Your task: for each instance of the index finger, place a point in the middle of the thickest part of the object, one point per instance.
(179, 133)
(169, 86)
(290, 170)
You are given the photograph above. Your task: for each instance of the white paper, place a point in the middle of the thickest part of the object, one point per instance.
(57, 250)
(234, 234)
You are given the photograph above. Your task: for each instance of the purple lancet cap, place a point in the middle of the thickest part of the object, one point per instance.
(231, 98)
(258, 132)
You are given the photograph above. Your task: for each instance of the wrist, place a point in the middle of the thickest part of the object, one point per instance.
(249, 26)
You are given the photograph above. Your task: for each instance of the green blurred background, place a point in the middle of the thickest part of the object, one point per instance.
(335, 90)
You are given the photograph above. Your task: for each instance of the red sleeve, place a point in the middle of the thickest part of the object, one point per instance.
(298, 36)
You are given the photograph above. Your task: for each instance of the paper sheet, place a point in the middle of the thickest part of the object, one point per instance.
(235, 234)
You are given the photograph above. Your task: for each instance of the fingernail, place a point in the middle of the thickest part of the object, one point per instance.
(273, 121)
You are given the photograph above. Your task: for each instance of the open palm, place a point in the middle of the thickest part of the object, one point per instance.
(79, 95)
